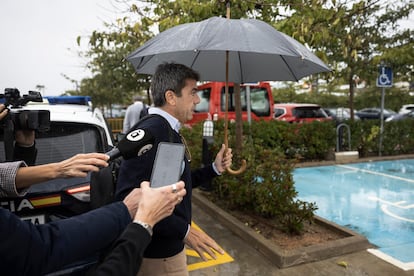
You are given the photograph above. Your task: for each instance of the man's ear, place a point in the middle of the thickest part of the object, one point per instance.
(170, 97)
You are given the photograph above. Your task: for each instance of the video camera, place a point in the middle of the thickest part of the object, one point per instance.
(25, 119)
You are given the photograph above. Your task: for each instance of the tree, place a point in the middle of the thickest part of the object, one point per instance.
(352, 37)
(114, 80)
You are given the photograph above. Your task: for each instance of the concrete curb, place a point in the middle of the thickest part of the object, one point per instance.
(282, 258)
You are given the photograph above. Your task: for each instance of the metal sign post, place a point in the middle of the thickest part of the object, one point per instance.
(384, 80)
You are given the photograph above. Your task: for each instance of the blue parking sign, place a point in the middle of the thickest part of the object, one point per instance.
(385, 77)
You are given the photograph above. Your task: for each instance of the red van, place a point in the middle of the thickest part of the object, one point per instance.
(212, 101)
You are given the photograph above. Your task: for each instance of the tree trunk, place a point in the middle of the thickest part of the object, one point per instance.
(351, 94)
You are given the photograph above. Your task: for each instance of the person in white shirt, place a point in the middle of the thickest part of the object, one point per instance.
(133, 112)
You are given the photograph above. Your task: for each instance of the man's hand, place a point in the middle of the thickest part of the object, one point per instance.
(202, 243)
(223, 159)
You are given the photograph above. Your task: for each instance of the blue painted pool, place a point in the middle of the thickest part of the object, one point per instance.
(375, 199)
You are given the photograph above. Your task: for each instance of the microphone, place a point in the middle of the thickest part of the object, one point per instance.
(135, 143)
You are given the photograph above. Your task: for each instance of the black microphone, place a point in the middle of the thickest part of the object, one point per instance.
(135, 143)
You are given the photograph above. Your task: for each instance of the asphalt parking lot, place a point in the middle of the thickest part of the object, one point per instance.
(243, 259)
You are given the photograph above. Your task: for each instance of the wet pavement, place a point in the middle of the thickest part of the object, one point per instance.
(244, 259)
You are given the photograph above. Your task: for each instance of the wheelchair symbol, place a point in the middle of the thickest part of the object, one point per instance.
(385, 77)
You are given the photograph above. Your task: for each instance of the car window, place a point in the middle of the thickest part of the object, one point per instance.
(259, 98)
(62, 141)
(279, 112)
(204, 104)
(330, 112)
(309, 112)
(259, 101)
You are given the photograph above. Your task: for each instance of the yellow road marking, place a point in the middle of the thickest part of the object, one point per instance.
(221, 259)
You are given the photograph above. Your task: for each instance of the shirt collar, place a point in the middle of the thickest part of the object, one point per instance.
(174, 123)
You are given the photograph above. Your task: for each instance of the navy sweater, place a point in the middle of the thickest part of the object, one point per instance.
(169, 233)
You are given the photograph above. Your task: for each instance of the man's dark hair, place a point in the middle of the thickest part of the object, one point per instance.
(170, 76)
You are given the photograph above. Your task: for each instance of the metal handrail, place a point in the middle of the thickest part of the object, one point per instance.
(337, 135)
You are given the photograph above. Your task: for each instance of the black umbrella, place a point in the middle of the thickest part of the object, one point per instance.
(250, 50)
(256, 50)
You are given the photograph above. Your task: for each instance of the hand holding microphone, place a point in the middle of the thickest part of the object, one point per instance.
(135, 143)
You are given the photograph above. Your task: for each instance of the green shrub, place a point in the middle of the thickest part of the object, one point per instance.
(271, 150)
(266, 189)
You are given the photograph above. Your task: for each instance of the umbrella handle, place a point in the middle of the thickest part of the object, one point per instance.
(226, 121)
(244, 163)
(239, 171)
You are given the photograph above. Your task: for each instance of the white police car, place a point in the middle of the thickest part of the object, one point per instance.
(75, 127)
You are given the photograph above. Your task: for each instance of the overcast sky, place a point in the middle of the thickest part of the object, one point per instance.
(38, 41)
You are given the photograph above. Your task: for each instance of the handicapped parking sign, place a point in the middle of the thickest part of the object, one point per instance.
(385, 77)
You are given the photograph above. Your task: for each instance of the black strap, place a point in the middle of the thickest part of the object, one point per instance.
(165, 122)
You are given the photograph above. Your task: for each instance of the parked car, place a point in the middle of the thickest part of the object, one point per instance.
(401, 116)
(74, 128)
(340, 114)
(374, 113)
(212, 102)
(299, 112)
(406, 108)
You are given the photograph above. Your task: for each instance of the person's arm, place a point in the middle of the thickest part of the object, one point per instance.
(126, 256)
(29, 249)
(222, 161)
(8, 171)
(195, 239)
(25, 147)
(76, 166)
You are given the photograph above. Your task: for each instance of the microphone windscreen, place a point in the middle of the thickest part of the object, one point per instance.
(136, 143)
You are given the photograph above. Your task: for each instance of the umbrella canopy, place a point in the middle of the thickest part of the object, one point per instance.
(256, 51)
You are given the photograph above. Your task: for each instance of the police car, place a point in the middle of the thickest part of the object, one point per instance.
(75, 127)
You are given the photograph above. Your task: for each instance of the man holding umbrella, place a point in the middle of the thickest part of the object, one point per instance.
(174, 94)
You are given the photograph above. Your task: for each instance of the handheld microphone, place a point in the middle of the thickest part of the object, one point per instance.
(135, 143)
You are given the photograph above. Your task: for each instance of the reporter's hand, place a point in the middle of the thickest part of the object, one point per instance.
(3, 111)
(25, 138)
(80, 164)
(202, 243)
(158, 203)
(132, 200)
(223, 159)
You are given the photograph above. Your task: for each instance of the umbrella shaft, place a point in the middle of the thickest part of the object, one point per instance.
(226, 91)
